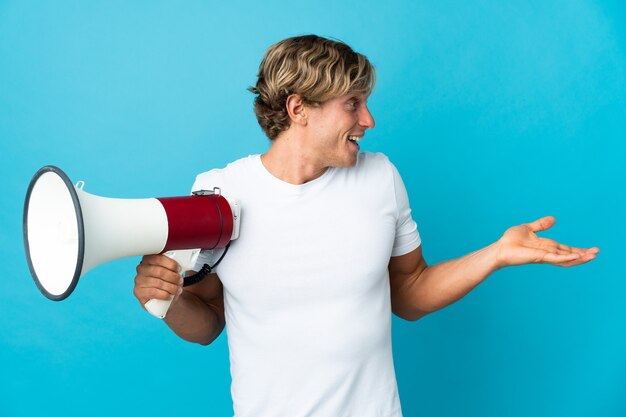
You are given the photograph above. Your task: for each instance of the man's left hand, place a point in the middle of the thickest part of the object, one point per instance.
(520, 245)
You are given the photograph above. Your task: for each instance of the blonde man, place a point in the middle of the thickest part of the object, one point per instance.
(327, 251)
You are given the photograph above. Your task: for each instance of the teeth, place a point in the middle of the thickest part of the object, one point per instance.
(357, 138)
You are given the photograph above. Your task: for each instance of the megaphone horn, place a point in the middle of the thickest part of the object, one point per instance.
(68, 231)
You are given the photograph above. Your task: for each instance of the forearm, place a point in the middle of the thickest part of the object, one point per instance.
(193, 320)
(445, 283)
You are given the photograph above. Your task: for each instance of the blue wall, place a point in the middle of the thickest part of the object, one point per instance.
(496, 113)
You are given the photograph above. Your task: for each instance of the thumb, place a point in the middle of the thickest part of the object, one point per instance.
(541, 224)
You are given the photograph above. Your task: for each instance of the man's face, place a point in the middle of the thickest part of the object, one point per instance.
(335, 128)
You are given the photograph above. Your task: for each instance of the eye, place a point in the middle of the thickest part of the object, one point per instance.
(353, 104)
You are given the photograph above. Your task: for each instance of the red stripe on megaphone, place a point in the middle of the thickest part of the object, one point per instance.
(197, 221)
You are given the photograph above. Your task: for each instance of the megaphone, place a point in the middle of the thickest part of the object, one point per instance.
(68, 232)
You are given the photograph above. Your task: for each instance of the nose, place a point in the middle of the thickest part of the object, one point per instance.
(366, 121)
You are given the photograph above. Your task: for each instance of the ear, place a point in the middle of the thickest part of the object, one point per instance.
(296, 109)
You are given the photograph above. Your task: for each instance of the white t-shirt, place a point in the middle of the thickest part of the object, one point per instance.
(306, 288)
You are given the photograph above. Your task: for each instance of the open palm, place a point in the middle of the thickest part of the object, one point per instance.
(520, 245)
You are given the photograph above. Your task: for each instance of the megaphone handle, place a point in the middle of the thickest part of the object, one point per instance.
(187, 260)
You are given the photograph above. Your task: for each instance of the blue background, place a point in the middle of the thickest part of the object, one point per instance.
(495, 113)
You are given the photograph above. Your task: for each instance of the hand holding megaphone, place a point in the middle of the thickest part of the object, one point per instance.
(67, 231)
(184, 260)
(159, 279)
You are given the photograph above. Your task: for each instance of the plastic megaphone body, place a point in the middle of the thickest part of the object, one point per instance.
(68, 231)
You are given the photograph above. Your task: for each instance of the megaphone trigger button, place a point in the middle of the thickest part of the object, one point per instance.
(79, 185)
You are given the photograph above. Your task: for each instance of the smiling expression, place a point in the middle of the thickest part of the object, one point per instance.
(336, 127)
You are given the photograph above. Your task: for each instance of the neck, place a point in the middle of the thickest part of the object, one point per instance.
(290, 161)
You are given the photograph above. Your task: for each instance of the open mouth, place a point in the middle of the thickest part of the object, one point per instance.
(354, 139)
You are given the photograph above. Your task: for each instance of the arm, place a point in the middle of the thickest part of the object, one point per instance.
(418, 289)
(197, 311)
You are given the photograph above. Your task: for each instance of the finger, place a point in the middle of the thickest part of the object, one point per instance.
(158, 272)
(559, 258)
(554, 246)
(171, 288)
(146, 294)
(541, 224)
(582, 260)
(161, 260)
(565, 250)
(582, 251)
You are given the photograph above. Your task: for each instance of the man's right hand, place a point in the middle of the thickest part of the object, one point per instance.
(158, 277)
(199, 313)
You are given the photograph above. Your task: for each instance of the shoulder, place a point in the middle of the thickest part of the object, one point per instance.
(377, 170)
(219, 175)
(369, 159)
(372, 171)
(376, 162)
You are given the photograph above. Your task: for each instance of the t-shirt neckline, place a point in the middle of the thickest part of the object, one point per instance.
(291, 188)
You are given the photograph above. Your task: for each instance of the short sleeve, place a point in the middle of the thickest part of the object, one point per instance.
(407, 236)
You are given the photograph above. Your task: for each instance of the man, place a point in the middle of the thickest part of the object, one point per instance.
(327, 250)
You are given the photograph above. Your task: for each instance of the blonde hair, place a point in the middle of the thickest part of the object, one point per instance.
(315, 68)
